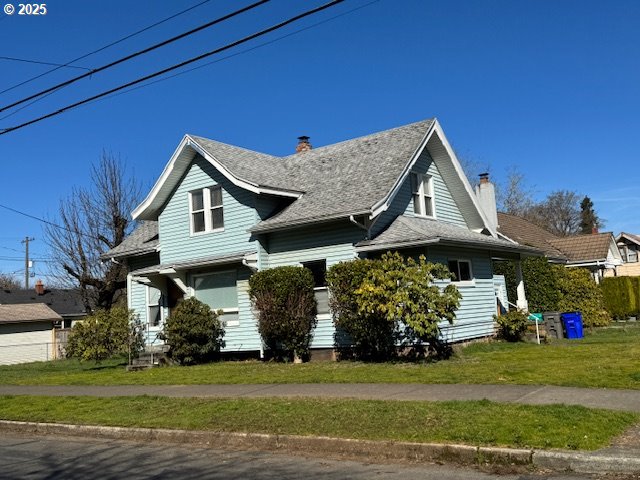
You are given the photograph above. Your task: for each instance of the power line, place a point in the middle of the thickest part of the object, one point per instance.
(247, 50)
(179, 65)
(104, 47)
(14, 59)
(54, 225)
(137, 54)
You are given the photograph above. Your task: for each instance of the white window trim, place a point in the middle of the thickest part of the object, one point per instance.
(147, 302)
(422, 196)
(207, 208)
(463, 283)
(234, 323)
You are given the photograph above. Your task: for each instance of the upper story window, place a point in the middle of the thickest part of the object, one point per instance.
(422, 190)
(205, 207)
(461, 269)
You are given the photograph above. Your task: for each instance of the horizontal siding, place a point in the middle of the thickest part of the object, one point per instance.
(446, 208)
(333, 242)
(474, 318)
(244, 336)
(26, 342)
(402, 204)
(176, 241)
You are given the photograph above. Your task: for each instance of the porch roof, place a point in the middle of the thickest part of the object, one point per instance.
(195, 263)
(406, 232)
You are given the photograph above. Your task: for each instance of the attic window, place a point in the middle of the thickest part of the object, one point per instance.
(205, 207)
(422, 191)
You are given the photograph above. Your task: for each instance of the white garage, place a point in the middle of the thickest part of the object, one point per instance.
(26, 333)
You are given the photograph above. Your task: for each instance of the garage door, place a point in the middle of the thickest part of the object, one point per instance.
(25, 342)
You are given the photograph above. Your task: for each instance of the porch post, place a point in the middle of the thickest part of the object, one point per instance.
(521, 302)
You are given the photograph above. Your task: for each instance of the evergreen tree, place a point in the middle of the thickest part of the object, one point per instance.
(589, 221)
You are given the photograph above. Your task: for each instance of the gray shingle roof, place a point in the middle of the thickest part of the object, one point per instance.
(65, 302)
(409, 231)
(35, 312)
(253, 167)
(348, 177)
(144, 239)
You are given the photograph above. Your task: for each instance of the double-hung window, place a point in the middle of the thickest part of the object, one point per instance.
(461, 269)
(154, 306)
(422, 191)
(205, 207)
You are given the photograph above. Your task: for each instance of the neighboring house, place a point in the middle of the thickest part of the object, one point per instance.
(218, 213)
(596, 252)
(27, 333)
(629, 246)
(65, 302)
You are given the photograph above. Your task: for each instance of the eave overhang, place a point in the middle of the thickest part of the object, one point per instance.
(178, 165)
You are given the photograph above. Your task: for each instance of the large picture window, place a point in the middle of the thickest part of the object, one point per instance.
(422, 191)
(219, 290)
(205, 207)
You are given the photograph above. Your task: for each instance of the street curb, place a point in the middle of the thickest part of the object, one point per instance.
(369, 450)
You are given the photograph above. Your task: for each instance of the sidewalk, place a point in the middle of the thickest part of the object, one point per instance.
(627, 400)
(622, 456)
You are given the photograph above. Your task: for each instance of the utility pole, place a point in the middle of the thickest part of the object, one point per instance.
(26, 260)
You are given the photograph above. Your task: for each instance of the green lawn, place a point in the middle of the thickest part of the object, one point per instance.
(605, 358)
(471, 423)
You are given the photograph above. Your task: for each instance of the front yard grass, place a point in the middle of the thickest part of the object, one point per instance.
(479, 423)
(608, 357)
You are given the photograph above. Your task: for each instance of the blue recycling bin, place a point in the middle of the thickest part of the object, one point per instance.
(572, 324)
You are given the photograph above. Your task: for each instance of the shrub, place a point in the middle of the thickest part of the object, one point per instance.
(371, 335)
(194, 333)
(104, 334)
(286, 305)
(512, 325)
(580, 293)
(540, 282)
(377, 301)
(404, 290)
(621, 296)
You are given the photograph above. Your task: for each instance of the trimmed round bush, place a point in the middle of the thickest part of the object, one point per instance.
(194, 333)
(286, 305)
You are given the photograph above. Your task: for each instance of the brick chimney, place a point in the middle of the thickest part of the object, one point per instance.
(486, 194)
(594, 231)
(303, 144)
(39, 287)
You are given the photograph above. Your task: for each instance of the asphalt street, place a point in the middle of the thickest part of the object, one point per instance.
(33, 457)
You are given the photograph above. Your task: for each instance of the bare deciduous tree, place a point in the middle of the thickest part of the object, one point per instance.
(516, 197)
(90, 222)
(559, 213)
(9, 282)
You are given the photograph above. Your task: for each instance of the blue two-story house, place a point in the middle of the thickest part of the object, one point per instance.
(218, 213)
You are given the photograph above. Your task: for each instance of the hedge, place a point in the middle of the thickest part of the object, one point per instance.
(621, 296)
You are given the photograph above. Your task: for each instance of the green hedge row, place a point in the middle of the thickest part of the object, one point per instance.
(552, 287)
(621, 296)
